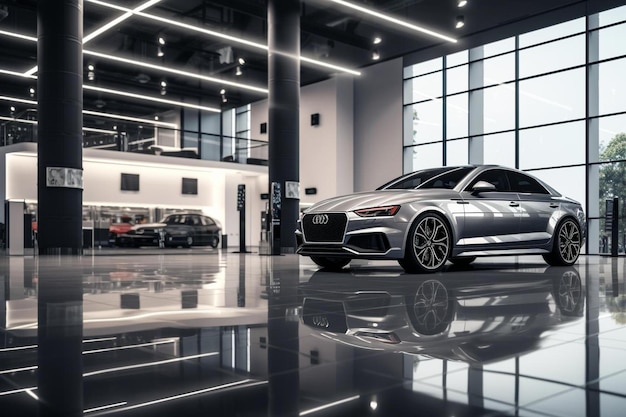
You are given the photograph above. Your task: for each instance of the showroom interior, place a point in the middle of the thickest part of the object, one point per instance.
(124, 118)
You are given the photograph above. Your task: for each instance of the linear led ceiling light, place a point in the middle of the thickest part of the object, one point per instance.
(175, 71)
(107, 26)
(34, 122)
(394, 20)
(118, 20)
(29, 74)
(213, 33)
(148, 98)
(130, 118)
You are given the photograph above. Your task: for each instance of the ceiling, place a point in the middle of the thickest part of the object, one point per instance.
(198, 63)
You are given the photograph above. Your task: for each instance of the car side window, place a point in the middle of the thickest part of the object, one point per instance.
(524, 184)
(207, 221)
(196, 220)
(497, 177)
(449, 180)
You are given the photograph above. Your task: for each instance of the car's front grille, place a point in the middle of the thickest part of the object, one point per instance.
(324, 227)
(324, 315)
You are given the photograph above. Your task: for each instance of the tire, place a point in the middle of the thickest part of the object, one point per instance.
(462, 260)
(428, 245)
(331, 263)
(189, 242)
(214, 241)
(567, 243)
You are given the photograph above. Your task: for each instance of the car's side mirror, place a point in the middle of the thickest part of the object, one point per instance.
(482, 187)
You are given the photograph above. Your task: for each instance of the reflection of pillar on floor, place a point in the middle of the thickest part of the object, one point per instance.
(60, 336)
(592, 347)
(475, 395)
(283, 339)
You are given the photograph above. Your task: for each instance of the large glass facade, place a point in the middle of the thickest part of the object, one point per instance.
(550, 102)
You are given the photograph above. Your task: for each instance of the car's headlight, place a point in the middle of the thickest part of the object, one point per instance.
(378, 211)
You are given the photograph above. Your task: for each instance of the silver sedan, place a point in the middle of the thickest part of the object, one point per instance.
(455, 214)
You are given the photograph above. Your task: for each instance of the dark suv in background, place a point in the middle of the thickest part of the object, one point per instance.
(177, 229)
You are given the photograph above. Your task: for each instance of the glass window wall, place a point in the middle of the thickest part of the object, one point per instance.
(545, 121)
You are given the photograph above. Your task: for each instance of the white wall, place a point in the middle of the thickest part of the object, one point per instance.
(160, 183)
(326, 150)
(378, 125)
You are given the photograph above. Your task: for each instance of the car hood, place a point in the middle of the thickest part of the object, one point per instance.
(148, 226)
(380, 198)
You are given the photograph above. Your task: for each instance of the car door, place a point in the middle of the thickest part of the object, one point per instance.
(491, 217)
(537, 207)
(198, 230)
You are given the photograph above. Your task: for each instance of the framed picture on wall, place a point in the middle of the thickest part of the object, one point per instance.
(190, 186)
(130, 182)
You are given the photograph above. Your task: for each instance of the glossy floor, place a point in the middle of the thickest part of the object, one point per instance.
(209, 332)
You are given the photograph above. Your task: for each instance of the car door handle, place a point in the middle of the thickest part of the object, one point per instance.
(514, 204)
(554, 205)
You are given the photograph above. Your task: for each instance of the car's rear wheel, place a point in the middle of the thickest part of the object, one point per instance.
(330, 262)
(189, 242)
(567, 243)
(214, 242)
(429, 244)
(462, 260)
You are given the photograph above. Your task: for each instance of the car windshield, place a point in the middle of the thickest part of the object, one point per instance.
(174, 219)
(446, 177)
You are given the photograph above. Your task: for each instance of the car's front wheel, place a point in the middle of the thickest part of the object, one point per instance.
(189, 242)
(567, 244)
(429, 244)
(330, 262)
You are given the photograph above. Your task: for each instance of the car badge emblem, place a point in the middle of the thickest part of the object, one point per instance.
(321, 321)
(320, 219)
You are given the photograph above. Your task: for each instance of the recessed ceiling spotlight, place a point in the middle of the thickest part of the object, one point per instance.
(222, 91)
(375, 55)
(161, 40)
(377, 40)
(31, 92)
(91, 67)
(461, 3)
(12, 108)
(460, 22)
(156, 118)
(164, 83)
(241, 61)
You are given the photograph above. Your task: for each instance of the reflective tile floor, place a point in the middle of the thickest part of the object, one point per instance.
(215, 333)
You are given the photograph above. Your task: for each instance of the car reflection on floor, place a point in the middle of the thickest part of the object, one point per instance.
(475, 317)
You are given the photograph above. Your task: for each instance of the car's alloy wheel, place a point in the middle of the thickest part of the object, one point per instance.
(429, 244)
(330, 263)
(189, 242)
(214, 242)
(567, 244)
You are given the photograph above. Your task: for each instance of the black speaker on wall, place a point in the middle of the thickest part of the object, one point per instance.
(315, 119)
(263, 127)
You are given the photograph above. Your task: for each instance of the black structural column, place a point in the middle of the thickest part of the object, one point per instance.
(60, 122)
(283, 18)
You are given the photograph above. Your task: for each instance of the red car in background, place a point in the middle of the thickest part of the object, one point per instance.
(119, 226)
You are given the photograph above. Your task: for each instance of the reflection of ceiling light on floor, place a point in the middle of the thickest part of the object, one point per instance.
(377, 40)
(461, 3)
